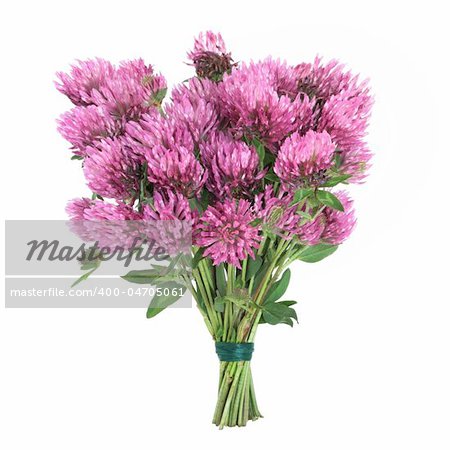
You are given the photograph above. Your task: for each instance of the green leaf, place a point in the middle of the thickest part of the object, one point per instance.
(292, 311)
(76, 157)
(259, 147)
(279, 288)
(95, 196)
(158, 97)
(256, 222)
(313, 202)
(147, 276)
(328, 199)
(287, 321)
(200, 204)
(197, 257)
(317, 252)
(171, 268)
(272, 177)
(333, 181)
(305, 215)
(83, 277)
(338, 158)
(275, 313)
(269, 159)
(221, 281)
(238, 297)
(219, 304)
(90, 260)
(253, 265)
(262, 271)
(288, 302)
(300, 195)
(143, 184)
(87, 265)
(161, 301)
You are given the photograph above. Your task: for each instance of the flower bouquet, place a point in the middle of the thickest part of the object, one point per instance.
(249, 155)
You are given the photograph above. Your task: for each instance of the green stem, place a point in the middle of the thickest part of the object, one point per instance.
(209, 285)
(206, 273)
(236, 402)
(244, 271)
(231, 393)
(206, 299)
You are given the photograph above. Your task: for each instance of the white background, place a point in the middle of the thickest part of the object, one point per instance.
(369, 365)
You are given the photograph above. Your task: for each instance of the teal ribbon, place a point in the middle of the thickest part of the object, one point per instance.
(232, 351)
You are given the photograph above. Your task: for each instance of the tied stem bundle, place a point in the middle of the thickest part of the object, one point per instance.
(233, 320)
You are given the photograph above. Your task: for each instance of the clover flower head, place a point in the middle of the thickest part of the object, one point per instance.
(276, 212)
(210, 57)
(250, 101)
(87, 209)
(322, 81)
(84, 80)
(345, 118)
(176, 169)
(227, 233)
(133, 90)
(112, 170)
(233, 166)
(342, 105)
(169, 221)
(302, 160)
(154, 129)
(168, 205)
(197, 114)
(339, 225)
(82, 126)
(194, 89)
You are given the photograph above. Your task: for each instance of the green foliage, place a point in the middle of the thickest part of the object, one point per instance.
(269, 159)
(338, 158)
(239, 297)
(221, 281)
(262, 271)
(279, 312)
(95, 196)
(259, 147)
(272, 177)
(147, 276)
(158, 97)
(333, 181)
(166, 294)
(329, 199)
(85, 276)
(300, 194)
(275, 312)
(253, 266)
(219, 304)
(317, 252)
(278, 288)
(200, 204)
(91, 263)
(158, 274)
(256, 222)
(197, 257)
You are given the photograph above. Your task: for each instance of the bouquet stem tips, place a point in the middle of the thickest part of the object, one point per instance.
(236, 402)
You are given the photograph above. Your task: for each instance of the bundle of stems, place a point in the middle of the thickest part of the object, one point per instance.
(231, 302)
